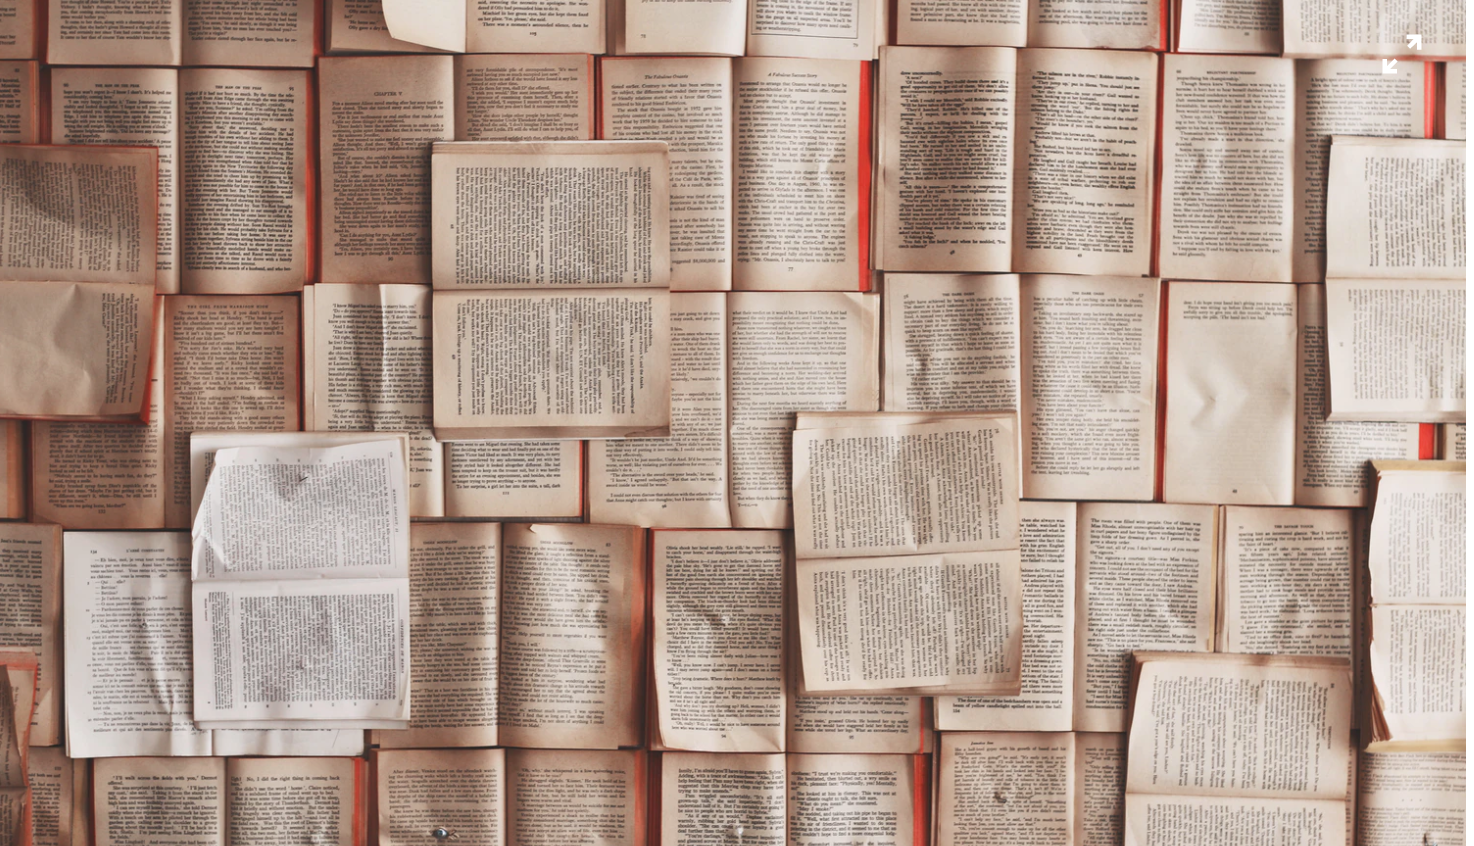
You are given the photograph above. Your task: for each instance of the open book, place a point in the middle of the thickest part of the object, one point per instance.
(21, 30)
(495, 26)
(1117, 25)
(182, 32)
(851, 29)
(30, 576)
(20, 101)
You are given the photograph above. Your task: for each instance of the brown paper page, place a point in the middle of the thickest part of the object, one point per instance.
(20, 104)
(837, 800)
(1082, 168)
(12, 470)
(30, 573)
(278, 800)
(1005, 787)
(951, 342)
(709, 798)
(524, 97)
(1100, 788)
(164, 801)
(18, 29)
(572, 796)
(1402, 797)
(460, 790)
(221, 32)
(514, 479)
(49, 772)
(85, 32)
(378, 116)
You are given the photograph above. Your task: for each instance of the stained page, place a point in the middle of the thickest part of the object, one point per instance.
(502, 97)
(30, 576)
(951, 342)
(1409, 797)
(462, 790)
(1005, 787)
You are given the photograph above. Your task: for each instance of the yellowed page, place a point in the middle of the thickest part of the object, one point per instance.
(377, 117)
(514, 479)
(282, 34)
(1373, 28)
(946, 130)
(1405, 797)
(12, 469)
(1115, 25)
(503, 97)
(136, 107)
(951, 342)
(461, 790)
(1083, 165)
(1156, 820)
(1145, 581)
(1228, 26)
(1395, 209)
(709, 797)
(86, 32)
(30, 574)
(523, 26)
(798, 131)
(18, 35)
(1047, 533)
(574, 593)
(686, 102)
(164, 801)
(1230, 423)
(1455, 101)
(257, 391)
(271, 799)
(837, 800)
(573, 796)
(1001, 22)
(1100, 788)
(661, 26)
(49, 773)
(718, 640)
(1005, 787)
(1228, 143)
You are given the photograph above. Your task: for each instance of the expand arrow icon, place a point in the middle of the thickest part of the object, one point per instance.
(1415, 41)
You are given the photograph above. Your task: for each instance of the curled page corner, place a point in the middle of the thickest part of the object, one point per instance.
(430, 23)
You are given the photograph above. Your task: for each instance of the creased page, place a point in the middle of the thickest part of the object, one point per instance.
(1005, 787)
(951, 342)
(556, 214)
(377, 117)
(133, 107)
(1396, 350)
(533, 26)
(1145, 581)
(86, 32)
(802, 175)
(892, 488)
(30, 578)
(1343, 97)
(503, 97)
(708, 797)
(1455, 101)
(919, 624)
(223, 32)
(1230, 423)
(1395, 209)
(946, 129)
(840, 800)
(1228, 144)
(847, 29)
(687, 103)
(461, 790)
(1374, 28)
(1100, 788)
(514, 479)
(583, 364)
(1331, 458)
(18, 32)
(1047, 533)
(718, 640)
(662, 26)
(1089, 387)
(163, 801)
(1404, 797)
(1082, 167)
(572, 635)
(314, 799)
(576, 796)
(942, 23)
(454, 576)
(129, 686)
(49, 772)
(791, 352)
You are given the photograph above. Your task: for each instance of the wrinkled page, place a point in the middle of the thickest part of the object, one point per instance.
(1395, 209)
(1001, 22)
(951, 342)
(709, 798)
(30, 578)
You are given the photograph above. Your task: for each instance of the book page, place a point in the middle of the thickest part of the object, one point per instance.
(514, 479)
(946, 126)
(707, 797)
(1285, 581)
(951, 342)
(1453, 441)
(355, 26)
(1343, 97)
(129, 687)
(1116, 25)
(1331, 458)
(20, 99)
(1455, 101)
(1161, 820)
(850, 723)
(838, 800)
(75, 350)
(440, 24)
(1373, 28)
(18, 33)
(569, 796)
(454, 576)
(1241, 726)
(1395, 209)
(498, 221)
(687, 103)
(1405, 797)
(1396, 350)
(524, 26)
(1418, 665)
(1082, 168)
(1100, 788)
(377, 118)
(787, 353)
(243, 180)
(270, 799)
(850, 29)
(802, 174)
(941, 23)
(1417, 547)
(229, 364)
(1228, 143)
(1228, 26)
(85, 32)
(524, 97)
(1230, 422)
(661, 26)
(1005, 787)
(164, 801)
(221, 32)
(1047, 533)
(1089, 410)
(460, 790)
(573, 599)
(136, 107)
(49, 774)
(12, 469)
(718, 640)
(79, 214)
(587, 364)
(917, 624)
(30, 579)
(1145, 581)
(924, 488)
(288, 742)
